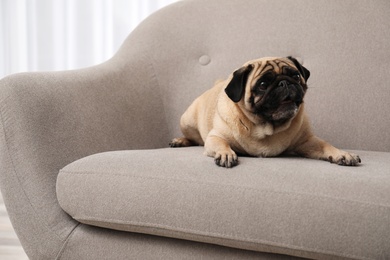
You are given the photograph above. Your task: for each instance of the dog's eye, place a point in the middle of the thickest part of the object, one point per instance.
(263, 85)
(297, 77)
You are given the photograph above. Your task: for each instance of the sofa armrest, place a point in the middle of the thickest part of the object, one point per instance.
(50, 119)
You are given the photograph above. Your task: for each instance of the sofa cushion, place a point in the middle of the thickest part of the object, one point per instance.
(292, 205)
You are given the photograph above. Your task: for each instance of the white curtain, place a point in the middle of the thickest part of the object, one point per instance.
(41, 35)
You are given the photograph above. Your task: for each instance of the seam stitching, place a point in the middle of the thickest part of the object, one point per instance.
(62, 249)
(215, 235)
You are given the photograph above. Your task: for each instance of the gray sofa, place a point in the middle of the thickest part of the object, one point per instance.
(86, 172)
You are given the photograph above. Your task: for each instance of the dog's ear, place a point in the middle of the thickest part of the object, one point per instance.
(236, 87)
(305, 72)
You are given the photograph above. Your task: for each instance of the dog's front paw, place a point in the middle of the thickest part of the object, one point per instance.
(345, 159)
(226, 159)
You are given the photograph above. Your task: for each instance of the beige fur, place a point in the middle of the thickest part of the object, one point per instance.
(226, 128)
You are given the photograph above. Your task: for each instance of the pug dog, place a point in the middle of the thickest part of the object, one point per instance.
(258, 111)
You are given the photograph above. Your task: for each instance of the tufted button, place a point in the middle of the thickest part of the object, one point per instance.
(204, 60)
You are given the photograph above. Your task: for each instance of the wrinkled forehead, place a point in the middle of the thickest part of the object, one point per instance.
(275, 65)
(264, 66)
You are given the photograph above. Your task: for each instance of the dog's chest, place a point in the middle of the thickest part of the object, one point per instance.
(261, 141)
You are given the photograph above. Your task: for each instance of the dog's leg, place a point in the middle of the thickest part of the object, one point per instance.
(316, 148)
(191, 137)
(181, 142)
(219, 148)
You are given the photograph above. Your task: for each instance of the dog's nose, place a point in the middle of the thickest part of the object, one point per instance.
(283, 84)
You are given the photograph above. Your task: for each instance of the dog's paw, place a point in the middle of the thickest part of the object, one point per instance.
(180, 142)
(345, 159)
(226, 159)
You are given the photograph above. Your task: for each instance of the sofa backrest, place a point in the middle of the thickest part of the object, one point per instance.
(345, 45)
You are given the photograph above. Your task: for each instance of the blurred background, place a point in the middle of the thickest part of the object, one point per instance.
(42, 35)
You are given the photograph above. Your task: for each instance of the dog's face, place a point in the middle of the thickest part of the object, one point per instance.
(270, 88)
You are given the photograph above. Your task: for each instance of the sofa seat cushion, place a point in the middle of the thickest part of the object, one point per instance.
(292, 205)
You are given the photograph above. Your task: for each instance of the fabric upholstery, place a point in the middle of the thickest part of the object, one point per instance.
(295, 206)
(134, 100)
(88, 242)
(343, 43)
(52, 119)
